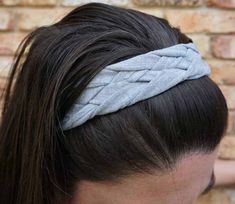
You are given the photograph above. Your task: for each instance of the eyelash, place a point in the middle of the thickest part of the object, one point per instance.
(210, 186)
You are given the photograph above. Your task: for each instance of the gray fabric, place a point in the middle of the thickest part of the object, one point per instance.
(138, 78)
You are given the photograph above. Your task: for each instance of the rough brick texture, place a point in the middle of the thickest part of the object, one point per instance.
(229, 92)
(222, 3)
(195, 21)
(168, 2)
(231, 123)
(203, 44)
(5, 64)
(121, 3)
(209, 23)
(223, 72)
(10, 42)
(28, 2)
(38, 2)
(27, 21)
(6, 20)
(227, 148)
(9, 2)
(224, 46)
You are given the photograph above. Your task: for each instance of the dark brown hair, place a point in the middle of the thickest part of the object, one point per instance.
(40, 163)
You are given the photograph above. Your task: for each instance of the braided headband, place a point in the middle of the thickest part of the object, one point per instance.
(127, 82)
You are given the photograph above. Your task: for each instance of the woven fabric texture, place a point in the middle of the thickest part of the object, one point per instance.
(124, 83)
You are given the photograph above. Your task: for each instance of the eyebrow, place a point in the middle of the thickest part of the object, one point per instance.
(210, 184)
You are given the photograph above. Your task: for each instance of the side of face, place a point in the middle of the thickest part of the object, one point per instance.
(192, 175)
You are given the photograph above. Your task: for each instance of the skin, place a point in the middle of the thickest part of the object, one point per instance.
(182, 185)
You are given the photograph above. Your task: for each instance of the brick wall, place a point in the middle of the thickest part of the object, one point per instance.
(210, 23)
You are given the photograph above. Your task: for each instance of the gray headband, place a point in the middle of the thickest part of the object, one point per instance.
(138, 78)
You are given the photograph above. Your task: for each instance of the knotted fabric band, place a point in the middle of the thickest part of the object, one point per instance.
(138, 78)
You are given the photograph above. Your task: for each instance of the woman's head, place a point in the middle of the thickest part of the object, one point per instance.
(174, 133)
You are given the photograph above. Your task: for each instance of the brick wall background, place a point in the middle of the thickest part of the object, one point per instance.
(210, 23)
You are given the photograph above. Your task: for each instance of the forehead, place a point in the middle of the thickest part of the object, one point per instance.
(182, 185)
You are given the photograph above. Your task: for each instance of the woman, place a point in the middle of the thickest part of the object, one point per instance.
(84, 121)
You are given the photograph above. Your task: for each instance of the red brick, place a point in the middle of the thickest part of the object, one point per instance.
(28, 2)
(196, 21)
(10, 42)
(224, 46)
(5, 64)
(229, 93)
(6, 20)
(222, 72)
(152, 11)
(122, 3)
(38, 2)
(231, 123)
(9, 2)
(227, 148)
(167, 2)
(30, 19)
(203, 44)
(221, 3)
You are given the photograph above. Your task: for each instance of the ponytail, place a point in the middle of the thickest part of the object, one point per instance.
(29, 127)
